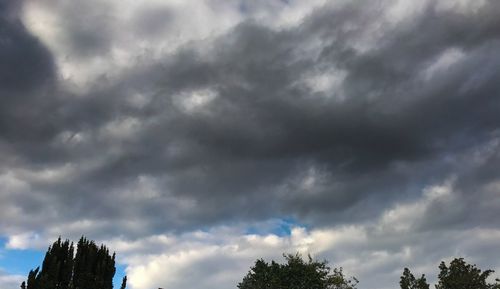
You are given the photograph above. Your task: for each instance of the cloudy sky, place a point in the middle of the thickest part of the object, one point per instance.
(195, 136)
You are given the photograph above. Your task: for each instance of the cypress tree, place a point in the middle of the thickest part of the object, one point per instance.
(124, 283)
(92, 267)
(56, 269)
(32, 279)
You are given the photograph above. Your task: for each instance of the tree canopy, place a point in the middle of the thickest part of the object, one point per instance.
(458, 275)
(461, 275)
(92, 267)
(296, 273)
(408, 281)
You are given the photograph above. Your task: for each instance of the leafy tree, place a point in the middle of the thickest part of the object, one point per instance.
(408, 281)
(91, 268)
(295, 274)
(461, 275)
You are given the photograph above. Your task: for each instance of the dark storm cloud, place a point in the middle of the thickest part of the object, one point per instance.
(476, 188)
(26, 78)
(266, 144)
(26, 63)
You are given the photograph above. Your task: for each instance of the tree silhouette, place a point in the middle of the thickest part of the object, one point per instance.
(461, 275)
(91, 268)
(124, 283)
(295, 274)
(408, 281)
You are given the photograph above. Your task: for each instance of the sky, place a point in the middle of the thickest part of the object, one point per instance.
(193, 137)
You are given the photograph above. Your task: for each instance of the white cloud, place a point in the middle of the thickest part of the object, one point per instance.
(374, 251)
(405, 9)
(195, 101)
(123, 41)
(11, 183)
(10, 281)
(329, 83)
(27, 240)
(403, 218)
(443, 63)
(122, 129)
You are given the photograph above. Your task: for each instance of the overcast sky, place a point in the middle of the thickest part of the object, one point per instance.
(195, 136)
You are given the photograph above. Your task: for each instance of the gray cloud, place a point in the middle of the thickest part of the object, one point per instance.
(9, 281)
(331, 120)
(26, 75)
(265, 126)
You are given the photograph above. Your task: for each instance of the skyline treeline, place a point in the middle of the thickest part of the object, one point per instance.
(93, 267)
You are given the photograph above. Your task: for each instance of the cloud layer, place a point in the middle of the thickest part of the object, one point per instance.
(10, 281)
(165, 122)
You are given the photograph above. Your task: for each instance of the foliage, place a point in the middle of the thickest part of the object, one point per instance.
(295, 274)
(408, 281)
(461, 275)
(91, 268)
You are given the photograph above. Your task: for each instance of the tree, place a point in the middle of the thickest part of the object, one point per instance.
(296, 274)
(124, 283)
(94, 267)
(91, 268)
(461, 275)
(56, 268)
(408, 281)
